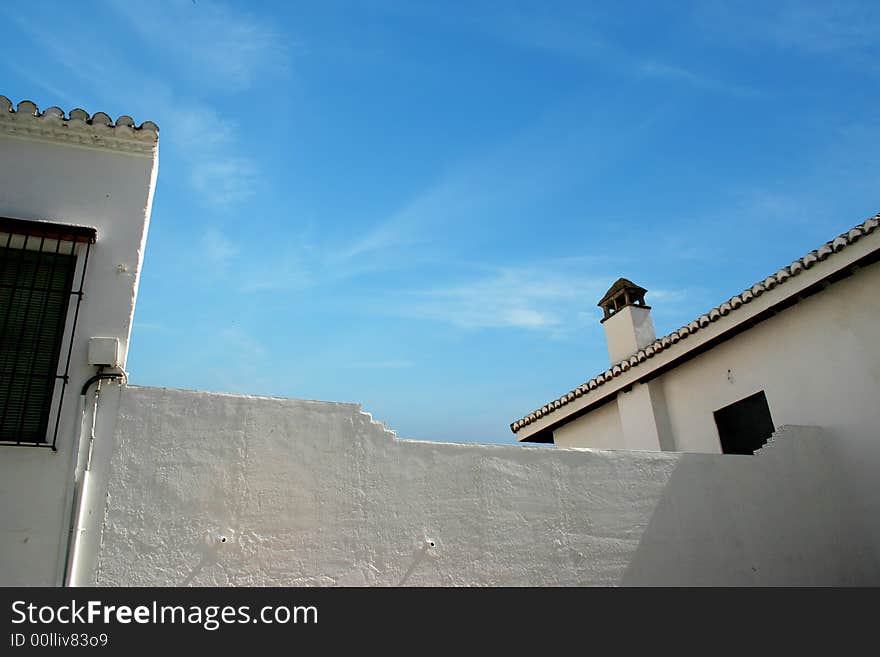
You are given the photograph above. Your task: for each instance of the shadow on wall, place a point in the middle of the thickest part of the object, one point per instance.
(783, 517)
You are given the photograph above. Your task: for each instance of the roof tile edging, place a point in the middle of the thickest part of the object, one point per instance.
(77, 127)
(737, 301)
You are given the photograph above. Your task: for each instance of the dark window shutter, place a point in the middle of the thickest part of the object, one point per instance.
(35, 289)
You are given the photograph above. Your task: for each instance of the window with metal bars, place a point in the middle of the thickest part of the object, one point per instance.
(39, 263)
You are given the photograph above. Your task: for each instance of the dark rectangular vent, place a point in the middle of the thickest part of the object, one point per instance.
(744, 426)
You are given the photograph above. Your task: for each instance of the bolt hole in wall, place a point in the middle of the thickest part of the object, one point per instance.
(746, 425)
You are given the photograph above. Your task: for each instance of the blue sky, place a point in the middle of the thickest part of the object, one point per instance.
(416, 206)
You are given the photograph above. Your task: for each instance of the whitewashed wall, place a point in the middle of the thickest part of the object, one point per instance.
(818, 363)
(601, 429)
(315, 493)
(112, 192)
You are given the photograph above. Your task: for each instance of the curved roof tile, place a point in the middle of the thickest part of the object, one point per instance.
(77, 127)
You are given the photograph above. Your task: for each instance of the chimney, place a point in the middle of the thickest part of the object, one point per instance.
(627, 320)
(644, 419)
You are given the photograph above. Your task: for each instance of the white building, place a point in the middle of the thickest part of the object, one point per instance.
(799, 347)
(75, 198)
(153, 486)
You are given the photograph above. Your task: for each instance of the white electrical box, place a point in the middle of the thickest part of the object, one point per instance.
(104, 351)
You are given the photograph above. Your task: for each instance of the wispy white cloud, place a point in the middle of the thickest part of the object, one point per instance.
(821, 27)
(545, 299)
(226, 181)
(578, 35)
(221, 172)
(444, 203)
(459, 209)
(218, 250)
(667, 296)
(653, 68)
(74, 51)
(276, 272)
(241, 346)
(380, 365)
(561, 145)
(826, 26)
(212, 42)
(39, 81)
(582, 42)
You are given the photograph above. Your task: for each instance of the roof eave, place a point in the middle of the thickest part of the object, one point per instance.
(744, 318)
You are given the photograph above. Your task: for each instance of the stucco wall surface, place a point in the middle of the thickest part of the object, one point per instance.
(316, 493)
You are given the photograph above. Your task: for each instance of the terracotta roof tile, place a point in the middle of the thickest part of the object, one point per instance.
(78, 127)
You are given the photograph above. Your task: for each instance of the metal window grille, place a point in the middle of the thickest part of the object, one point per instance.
(39, 263)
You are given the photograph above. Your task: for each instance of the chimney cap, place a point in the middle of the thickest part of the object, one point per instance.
(621, 294)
